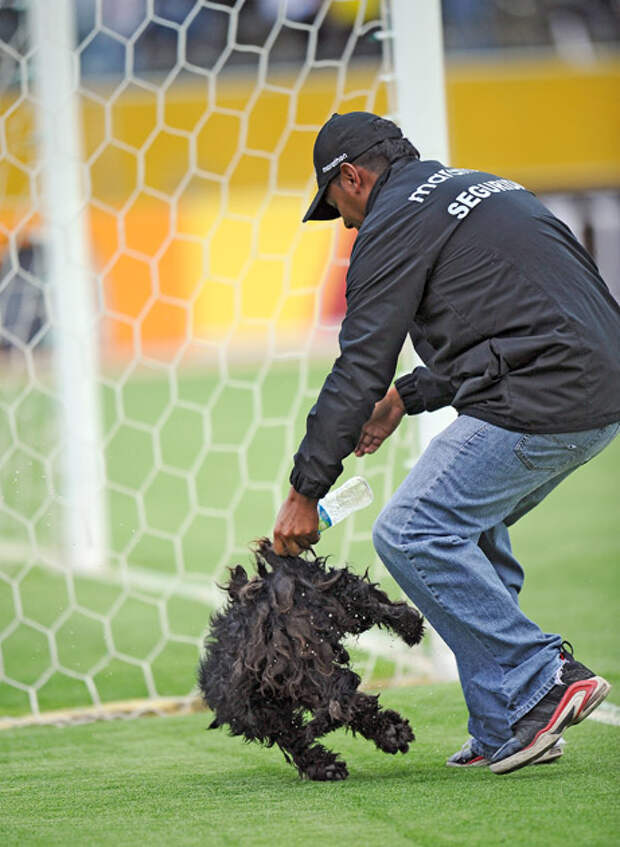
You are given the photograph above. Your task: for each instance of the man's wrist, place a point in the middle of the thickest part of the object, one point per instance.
(295, 496)
(396, 400)
(302, 485)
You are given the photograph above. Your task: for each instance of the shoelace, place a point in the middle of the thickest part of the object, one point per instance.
(566, 648)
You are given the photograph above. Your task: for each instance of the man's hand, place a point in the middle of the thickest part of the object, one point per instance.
(386, 416)
(297, 525)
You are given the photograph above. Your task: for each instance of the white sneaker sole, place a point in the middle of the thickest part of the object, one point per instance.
(551, 755)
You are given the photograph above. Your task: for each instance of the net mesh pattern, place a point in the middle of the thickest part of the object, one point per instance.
(215, 318)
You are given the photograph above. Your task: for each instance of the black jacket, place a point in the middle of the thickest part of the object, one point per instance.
(503, 305)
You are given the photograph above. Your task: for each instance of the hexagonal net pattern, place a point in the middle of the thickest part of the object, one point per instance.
(215, 316)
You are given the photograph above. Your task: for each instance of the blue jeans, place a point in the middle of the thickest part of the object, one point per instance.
(444, 538)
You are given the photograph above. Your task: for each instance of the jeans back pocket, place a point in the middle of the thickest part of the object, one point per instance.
(561, 451)
(550, 452)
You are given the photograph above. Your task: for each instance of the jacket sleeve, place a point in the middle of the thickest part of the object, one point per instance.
(422, 391)
(385, 283)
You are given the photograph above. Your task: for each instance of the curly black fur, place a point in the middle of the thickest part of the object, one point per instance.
(274, 653)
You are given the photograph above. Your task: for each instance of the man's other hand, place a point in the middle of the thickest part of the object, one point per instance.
(297, 525)
(386, 416)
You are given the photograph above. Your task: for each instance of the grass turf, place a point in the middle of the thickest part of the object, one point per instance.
(166, 781)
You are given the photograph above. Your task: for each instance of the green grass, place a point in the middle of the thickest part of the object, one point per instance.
(133, 641)
(165, 781)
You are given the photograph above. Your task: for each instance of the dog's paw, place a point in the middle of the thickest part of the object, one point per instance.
(411, 627)
(327, 771)
(394, 733)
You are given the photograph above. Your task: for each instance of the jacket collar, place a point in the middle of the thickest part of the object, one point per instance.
(396, 165)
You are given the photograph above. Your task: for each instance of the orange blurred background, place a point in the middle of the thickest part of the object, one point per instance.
(195, 197)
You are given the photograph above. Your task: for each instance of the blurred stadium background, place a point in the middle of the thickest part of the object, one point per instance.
(213, 315)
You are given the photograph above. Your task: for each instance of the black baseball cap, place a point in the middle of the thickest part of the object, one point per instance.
(342, 139)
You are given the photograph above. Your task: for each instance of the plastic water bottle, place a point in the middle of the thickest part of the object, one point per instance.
(354, 494)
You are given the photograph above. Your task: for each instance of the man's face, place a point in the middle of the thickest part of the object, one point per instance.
(347, 203)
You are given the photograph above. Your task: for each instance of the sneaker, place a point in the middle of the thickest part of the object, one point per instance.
(577, 692)
(466, 758)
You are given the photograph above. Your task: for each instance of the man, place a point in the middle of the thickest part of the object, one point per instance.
(520, 334)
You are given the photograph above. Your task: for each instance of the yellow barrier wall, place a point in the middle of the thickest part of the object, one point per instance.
(211, 245)
(547, 124)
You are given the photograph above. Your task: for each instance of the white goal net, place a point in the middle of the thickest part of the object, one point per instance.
(166, 323)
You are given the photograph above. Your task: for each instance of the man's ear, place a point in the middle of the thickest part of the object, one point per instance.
(350, 177)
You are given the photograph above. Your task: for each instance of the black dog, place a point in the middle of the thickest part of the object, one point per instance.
(274, 653)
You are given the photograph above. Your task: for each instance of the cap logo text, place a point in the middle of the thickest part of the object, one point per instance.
(335, 162)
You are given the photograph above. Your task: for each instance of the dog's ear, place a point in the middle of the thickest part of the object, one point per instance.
(261, 549)
(261, 545)
(263, 553)
(238, 578)
(283, 590)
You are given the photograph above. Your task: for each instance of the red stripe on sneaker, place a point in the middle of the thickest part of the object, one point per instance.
(588, 686)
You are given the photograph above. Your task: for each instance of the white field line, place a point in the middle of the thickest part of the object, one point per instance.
(607, 713)
(204, 590)
(14, 551)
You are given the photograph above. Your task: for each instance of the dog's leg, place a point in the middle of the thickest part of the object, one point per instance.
(297, 742)
(367, 605)
(346, 706)
(321, 724)
(389, 730)
(403, 620)
(313, 761)
(320, 764)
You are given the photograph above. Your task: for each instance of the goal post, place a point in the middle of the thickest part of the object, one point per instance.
(66, 256)
(419, 77)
